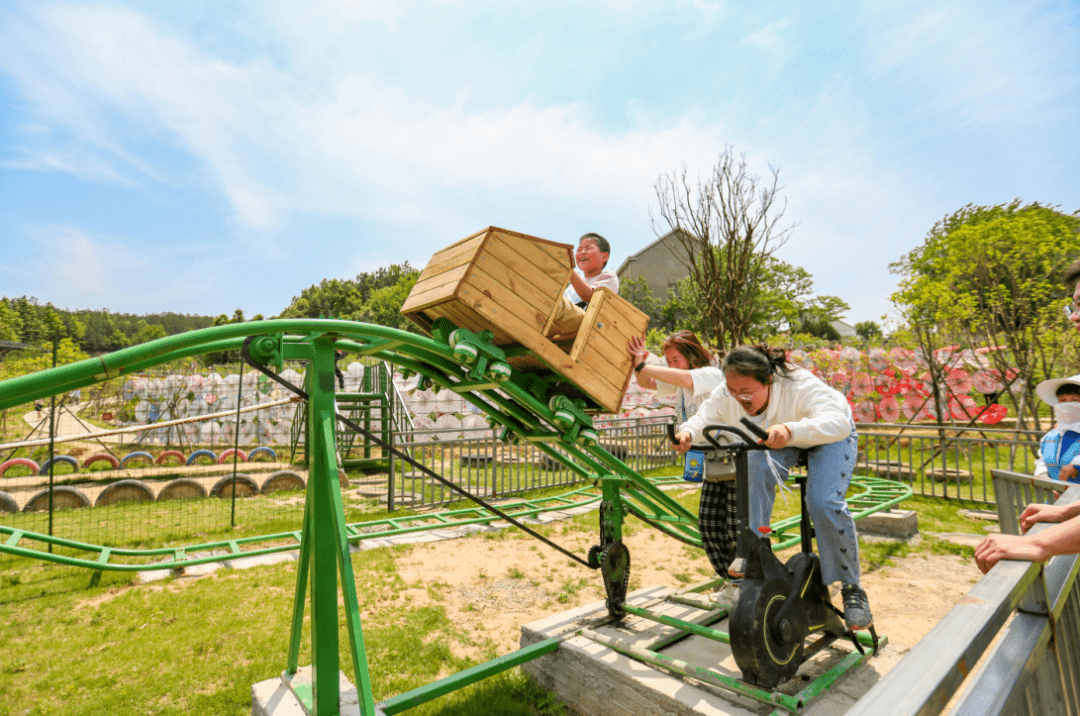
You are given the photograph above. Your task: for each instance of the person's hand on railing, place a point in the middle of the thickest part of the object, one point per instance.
(1037, 512)
(1061, 538)
(995, 548)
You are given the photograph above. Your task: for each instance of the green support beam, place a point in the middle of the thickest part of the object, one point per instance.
(423, 694)
(468, 364)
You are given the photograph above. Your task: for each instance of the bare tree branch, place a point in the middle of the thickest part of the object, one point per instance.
(728, 225)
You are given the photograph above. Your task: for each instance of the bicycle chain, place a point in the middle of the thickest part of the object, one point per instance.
(615, 568)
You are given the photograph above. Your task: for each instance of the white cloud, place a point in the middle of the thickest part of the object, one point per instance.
(76, 262)
(80, 262)
(771, 38)
(986, 69)
(278, 142)
(286, 113)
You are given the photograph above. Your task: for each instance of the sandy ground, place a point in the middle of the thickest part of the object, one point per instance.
(492, 587)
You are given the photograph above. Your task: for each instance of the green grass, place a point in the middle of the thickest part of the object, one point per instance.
(77, 645)
(875, 555)
(93, 643)
(938, 515)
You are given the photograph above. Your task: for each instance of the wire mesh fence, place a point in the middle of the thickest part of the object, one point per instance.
(183, 453)
(169, 455)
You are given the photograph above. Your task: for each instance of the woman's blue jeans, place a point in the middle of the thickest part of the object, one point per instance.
(831, 466)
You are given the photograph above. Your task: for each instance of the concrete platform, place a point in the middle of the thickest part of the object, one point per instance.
(594, 680)
(894, 523)
(274, 697)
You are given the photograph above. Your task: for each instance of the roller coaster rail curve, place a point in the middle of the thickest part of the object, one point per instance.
(514, 406)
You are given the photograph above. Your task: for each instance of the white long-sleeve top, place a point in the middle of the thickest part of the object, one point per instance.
(816, 413)
(687, 401)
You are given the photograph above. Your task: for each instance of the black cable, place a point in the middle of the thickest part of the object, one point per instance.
(407, 458)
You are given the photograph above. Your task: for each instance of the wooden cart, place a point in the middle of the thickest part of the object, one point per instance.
(511, 284)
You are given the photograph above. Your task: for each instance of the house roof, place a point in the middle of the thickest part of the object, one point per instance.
(634, 256)
(844, 329)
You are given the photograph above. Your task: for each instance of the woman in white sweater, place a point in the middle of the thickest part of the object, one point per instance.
(798, 411)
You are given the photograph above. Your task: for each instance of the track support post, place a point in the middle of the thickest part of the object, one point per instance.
(324, 550)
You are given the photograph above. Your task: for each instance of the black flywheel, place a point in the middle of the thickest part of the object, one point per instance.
(767, 650)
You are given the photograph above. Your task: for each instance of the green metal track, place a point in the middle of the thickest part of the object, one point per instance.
(877, 494)
(509, 406)
(517, 406)
(24, 543)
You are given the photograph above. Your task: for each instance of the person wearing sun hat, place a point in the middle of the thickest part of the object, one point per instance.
(1059, 451)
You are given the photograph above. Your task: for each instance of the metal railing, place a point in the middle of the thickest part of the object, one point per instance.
(484, 465)
(402, 418)
(1022, 619)
(953, 462)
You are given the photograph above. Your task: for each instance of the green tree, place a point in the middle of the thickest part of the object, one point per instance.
(10, 322)
(175, 323)
(392, 275)
(684, 310)
(783, 294)
(30, 361)
(342, 298)
(52, 325)
(73, 327)
(991, 274)
(331, 298)
(31, 329)
(817, 315)
(868, 330)
(102, 332)
(148, 332)
(783, 298)
(383, 307)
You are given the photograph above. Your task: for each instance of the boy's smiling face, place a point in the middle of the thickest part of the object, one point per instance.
(590, 259)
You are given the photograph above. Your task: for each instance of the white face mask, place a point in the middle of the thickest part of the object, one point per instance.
(1067, 416)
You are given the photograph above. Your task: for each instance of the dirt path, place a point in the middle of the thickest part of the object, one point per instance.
(493, 586)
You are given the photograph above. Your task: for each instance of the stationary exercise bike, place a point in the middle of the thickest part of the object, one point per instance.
(779, 605)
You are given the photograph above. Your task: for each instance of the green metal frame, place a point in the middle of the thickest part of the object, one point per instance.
(510, 400)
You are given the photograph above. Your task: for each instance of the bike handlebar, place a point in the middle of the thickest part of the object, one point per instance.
(710, 430)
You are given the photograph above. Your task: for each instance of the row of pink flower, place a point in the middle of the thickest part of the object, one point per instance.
(902, 382)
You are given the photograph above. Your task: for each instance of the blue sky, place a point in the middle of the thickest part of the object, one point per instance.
(200, 157)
